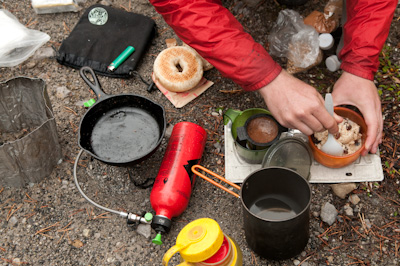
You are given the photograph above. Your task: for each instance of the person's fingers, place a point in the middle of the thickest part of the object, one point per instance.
(338, 118)
(367, 100)
(374, 133)
(304, 128)
(374, 121)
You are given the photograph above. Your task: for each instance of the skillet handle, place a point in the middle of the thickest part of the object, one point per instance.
(216, 176)
(95, 85)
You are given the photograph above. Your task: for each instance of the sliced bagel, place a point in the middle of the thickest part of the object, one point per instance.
(178, 69)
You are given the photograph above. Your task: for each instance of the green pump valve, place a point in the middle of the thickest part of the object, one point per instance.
(148, 217)
(157, 239)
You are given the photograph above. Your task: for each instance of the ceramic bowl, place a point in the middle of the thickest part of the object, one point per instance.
(341, 161)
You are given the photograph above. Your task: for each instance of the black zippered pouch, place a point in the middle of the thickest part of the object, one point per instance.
(101, 35)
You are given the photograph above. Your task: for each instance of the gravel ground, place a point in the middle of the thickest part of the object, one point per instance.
(50, 223)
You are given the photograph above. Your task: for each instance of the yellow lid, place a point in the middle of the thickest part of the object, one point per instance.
(205, 238)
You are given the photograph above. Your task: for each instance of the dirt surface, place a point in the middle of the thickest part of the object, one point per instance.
(50, 223)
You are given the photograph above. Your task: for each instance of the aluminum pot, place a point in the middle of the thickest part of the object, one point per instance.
(276, 210)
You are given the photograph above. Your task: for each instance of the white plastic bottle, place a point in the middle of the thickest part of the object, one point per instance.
(332, 63)
(326, 41)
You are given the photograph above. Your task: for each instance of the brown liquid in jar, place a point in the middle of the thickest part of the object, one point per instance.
(262, 129)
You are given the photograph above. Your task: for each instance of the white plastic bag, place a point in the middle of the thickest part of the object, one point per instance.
(17, 43)
(292, 39)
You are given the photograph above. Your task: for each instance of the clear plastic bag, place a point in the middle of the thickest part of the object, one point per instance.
(292, 39)
(18, 43)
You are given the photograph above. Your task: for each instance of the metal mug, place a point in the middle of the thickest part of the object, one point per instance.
(276, 210)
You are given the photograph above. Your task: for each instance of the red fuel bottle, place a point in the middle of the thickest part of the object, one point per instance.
(175, 180)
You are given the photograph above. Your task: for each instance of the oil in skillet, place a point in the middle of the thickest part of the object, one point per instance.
(124, 135)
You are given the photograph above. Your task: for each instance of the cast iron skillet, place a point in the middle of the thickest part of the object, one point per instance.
(120, 130)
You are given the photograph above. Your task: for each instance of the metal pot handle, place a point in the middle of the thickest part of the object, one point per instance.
(95, 85)
(194, 167)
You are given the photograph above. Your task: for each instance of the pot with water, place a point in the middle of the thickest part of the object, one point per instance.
(276, 210)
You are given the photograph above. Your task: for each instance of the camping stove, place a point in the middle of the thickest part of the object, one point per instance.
(365, 169)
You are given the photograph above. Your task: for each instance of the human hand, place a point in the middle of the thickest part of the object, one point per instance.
(295, 104)
(363, 94)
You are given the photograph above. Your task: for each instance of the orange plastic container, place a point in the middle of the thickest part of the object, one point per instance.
(341, 161)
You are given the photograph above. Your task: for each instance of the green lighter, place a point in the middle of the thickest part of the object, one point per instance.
(121, 58)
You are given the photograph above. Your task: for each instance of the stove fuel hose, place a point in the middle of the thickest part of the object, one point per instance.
(129, 216)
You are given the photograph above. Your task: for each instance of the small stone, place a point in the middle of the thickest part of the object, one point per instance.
(97, 235)
(342, 189)
(30, 64)
(77, 243)
(105, 3)
(328, 213)
(354, 199)
(368, 223)
(168, 131)
(348, 210)
(45, 52)
(217, 146)
(215, 114)
(296, 262)
(144, 230)
(13, 221)
(86, 232)
(62, 92)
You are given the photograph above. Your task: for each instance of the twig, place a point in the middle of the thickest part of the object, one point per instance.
(70, 110)
(253, 259)
(31, 23)
(355, 230)
(11, 214)
(231, 92)
(123, 7)
(305, 260)
(101, 216)
(29, 215)
(65, 230)
(66, 27)
(358, 261)
(12, 262)
(122, 248)
(75, 212)
(31, 200)
(163, 31)
(59, 240)
(41, 231)
(74, 127)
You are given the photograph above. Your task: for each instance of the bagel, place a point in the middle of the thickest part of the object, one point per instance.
(178, 69)
(206, 64)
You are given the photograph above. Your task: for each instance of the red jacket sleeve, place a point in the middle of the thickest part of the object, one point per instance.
(215, 33)
(365, 32)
